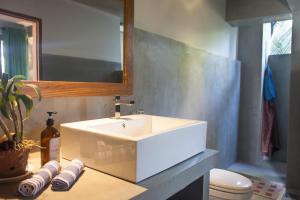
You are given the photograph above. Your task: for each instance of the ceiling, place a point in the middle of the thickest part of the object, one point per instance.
(294, 4)
(115, 7)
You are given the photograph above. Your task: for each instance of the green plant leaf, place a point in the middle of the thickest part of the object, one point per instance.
(18, 78)
(36, 90)
(20, 84)
(4, 110)
(12, 99)
(28, 103)
(12, 83)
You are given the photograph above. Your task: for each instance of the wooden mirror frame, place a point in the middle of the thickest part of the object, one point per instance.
(75, 89)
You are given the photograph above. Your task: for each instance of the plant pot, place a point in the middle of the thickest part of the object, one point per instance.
(13, 162)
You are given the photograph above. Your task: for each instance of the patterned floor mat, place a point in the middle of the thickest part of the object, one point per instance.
(268, 189)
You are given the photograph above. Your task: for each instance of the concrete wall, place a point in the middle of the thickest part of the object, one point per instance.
(293, 167)
(69, 110)
(294, 5)
(250, 121)
(173, 79)
(281, 71)
(241, 12)
(248, 149)
(73, 29)
(198, 23)
(250, 54)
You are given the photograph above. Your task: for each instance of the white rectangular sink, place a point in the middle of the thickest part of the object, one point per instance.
(134, 147)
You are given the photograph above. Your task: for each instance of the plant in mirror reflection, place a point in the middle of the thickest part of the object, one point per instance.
(15, 107)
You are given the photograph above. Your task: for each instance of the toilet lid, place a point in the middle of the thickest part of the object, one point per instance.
(229, 181)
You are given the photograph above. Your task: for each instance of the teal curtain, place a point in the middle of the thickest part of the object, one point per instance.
(15, 51)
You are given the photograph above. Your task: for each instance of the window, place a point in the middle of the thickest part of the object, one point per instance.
(279, 37)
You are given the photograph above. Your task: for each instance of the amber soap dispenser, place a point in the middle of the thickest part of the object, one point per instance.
(50, 141)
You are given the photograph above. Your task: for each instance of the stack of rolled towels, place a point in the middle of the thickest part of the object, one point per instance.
(50, 171)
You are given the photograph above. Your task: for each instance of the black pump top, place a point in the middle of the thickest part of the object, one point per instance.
(50, 120)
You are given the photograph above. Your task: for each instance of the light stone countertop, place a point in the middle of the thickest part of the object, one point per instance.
(97, 185)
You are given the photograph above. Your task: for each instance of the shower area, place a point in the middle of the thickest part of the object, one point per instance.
(263, 45)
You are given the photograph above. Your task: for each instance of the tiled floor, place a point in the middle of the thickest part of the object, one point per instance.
(270, 171)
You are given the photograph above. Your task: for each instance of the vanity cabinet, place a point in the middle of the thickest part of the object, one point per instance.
(186, 181)
(193, 191)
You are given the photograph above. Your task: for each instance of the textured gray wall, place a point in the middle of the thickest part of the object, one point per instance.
(241, 12)
(250, 54)
(294, 4)
(172, 79)
(293, 166)
(281, 70)
(197, 23)
(69, 110)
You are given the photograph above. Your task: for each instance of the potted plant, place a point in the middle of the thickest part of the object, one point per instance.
(15, 107)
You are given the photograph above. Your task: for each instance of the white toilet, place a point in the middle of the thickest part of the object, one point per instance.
(229, 185)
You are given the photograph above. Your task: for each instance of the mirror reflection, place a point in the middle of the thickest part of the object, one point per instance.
(81, 40)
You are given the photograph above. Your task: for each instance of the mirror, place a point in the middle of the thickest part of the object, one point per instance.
(63, 40)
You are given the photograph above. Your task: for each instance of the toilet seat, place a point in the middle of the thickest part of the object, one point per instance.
(229, 185)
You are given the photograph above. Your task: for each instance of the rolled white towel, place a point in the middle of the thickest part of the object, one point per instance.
(32, 186)
(68, 176)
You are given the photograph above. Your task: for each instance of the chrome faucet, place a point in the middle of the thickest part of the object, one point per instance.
(118, 103)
